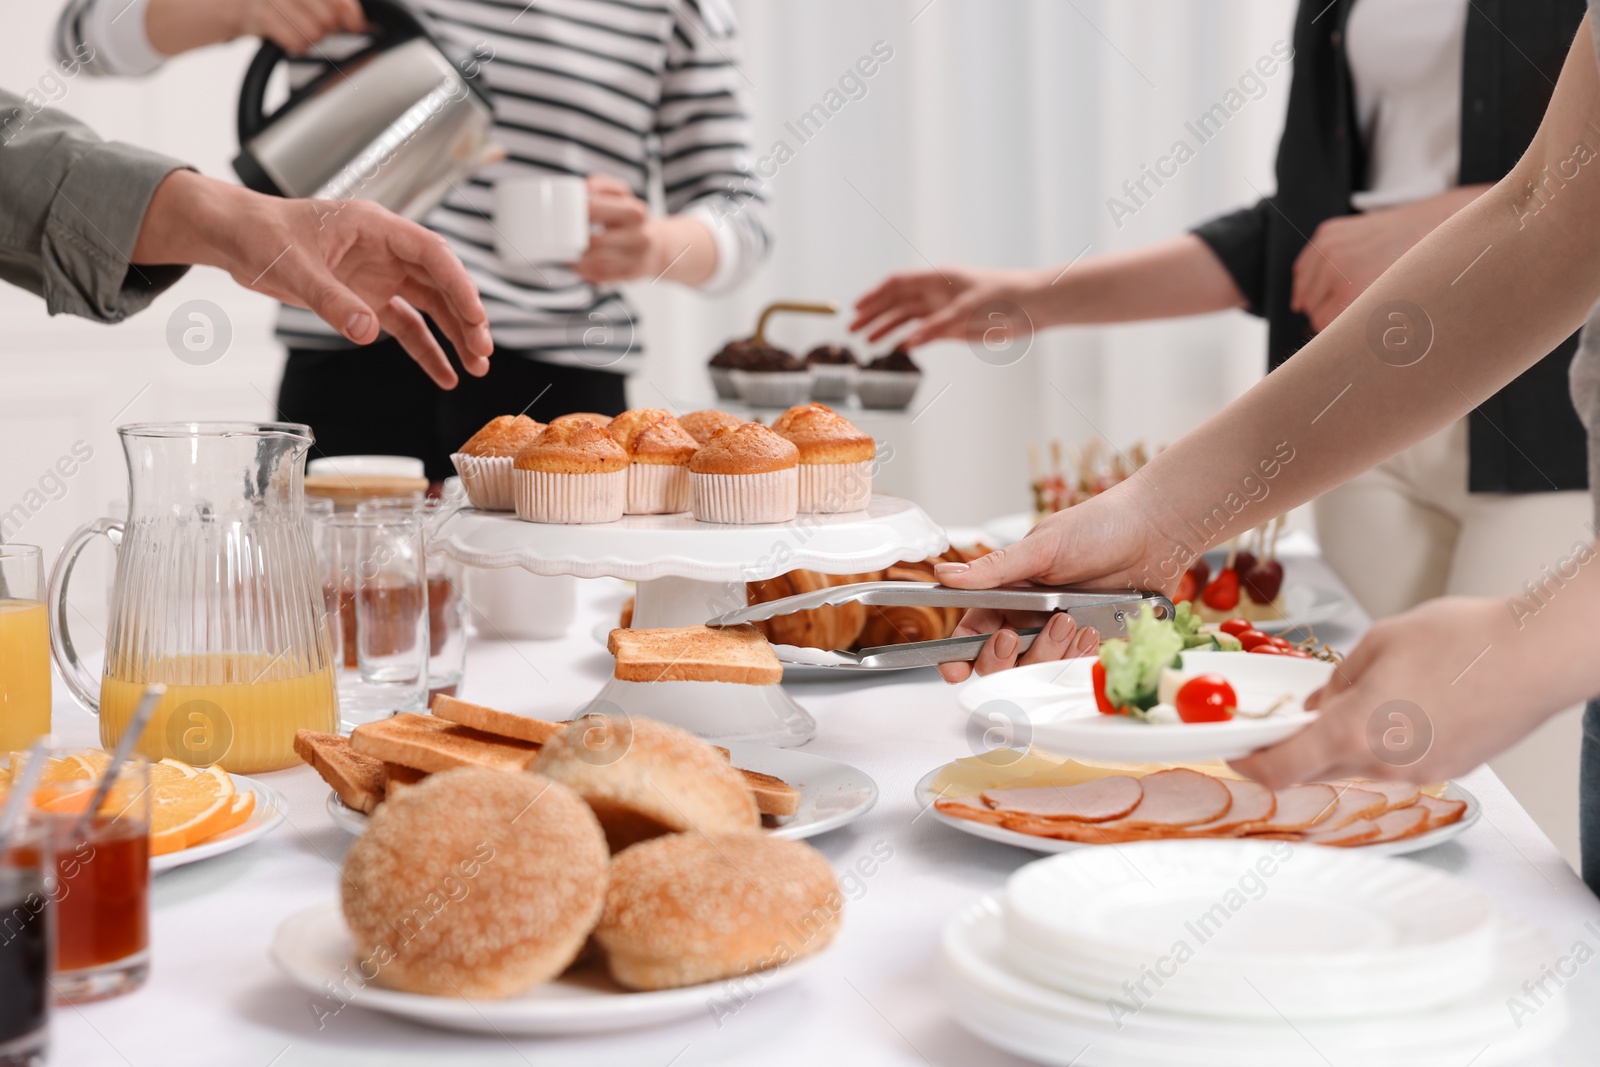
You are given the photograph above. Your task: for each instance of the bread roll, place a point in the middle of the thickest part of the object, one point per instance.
(644, 778)
(689, 908)
(474, 883)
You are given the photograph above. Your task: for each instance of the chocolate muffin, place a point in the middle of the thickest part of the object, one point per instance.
(772, 378)
(834, 368)
(890, 381)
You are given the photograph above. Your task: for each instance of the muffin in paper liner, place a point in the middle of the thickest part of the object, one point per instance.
(722, 382)
(886, 388)
(773, 388)
(487, 480)
(658, 488)
(770, 496)
(834, 488)
(833, 381)
(571, 498)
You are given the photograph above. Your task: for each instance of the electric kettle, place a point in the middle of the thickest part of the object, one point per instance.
(395, 123)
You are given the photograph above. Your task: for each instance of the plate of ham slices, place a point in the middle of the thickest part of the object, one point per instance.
(1045, 804)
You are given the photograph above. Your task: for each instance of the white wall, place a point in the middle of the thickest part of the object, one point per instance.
(992, 137)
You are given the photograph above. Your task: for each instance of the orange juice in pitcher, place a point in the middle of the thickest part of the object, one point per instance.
(24, 648)
(215, 597)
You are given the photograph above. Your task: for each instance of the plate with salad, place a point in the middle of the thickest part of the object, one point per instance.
(1172, 690)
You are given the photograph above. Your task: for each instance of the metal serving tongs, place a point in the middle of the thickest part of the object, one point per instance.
(1105, 610)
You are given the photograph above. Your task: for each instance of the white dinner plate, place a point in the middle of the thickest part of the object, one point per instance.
(831, 793)
(1332, 933)
(1051, 706)
(313, 947)
(988, 997)
(926, 796)
(1304, 605)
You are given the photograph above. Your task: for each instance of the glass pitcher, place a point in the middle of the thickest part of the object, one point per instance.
(215, 595)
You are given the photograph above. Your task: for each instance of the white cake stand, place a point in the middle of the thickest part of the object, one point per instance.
(688, 572)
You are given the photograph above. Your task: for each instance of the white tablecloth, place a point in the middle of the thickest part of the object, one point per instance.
(215, 998)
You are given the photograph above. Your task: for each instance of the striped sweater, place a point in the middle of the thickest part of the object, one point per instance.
(644, 90)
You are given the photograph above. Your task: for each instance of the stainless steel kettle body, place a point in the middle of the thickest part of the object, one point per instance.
(396, 123)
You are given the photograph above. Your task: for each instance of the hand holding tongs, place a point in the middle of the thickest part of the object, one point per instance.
(1105, 610)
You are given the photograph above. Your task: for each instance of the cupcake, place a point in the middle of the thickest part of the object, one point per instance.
(704, 425)
(485, 461)
(833, 369)
(746, 474)
(772, 378)
(835, 458)
(576, 417)
(659, 450)
(573, 473)
(889, 381)
(733, 356)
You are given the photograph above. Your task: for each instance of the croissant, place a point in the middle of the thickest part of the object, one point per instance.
(836, 626)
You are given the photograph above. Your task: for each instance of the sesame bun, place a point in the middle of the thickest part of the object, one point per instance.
(589, 417)
(644, 778)
(573, 448)
(687, 909)
(475, 883)
(749, 448)
(652, 436)
(704, 425)
(503, 435)
(822, 435)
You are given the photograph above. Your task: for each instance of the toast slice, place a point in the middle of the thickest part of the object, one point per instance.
(737, 654)
(357, 778)
(431, 744)
(774, 796)
(396, 777)
(498, 723)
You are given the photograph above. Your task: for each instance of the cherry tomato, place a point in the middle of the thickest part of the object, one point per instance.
(1098, 674)
(1278, 642)
(1187, 589)
(1201, 571)
(1251, 638)
(1297, 653)
(1236, 626)
(1206, 698)
(1223, 592)
(1268, 650)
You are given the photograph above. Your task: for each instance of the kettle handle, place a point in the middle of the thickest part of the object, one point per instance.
(85, 686)
(393, 17)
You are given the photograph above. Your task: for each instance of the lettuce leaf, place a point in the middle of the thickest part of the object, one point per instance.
(1133, 664)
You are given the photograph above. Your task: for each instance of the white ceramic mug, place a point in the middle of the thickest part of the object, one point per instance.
(541, 220)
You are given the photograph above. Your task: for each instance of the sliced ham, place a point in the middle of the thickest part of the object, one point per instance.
(1299, 807)
(1353, 805)
(1252, 802)
(1359, 832)
(1176, 798)
(1401, 823)
(1088, 833)
(1098, 801)
(1396, 794)
(1441, 812)
(968, 808)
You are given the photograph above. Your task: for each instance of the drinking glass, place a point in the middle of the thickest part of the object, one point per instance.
(26, 938)
(447, 628)
(101, 882)
(375, 586)
(24, 648)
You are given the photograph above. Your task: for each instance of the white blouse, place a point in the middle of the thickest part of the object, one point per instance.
(1405, 61)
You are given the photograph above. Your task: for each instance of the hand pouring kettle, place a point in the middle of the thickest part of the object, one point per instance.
(395, 123)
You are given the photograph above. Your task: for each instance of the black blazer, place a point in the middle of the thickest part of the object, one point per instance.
(1527, 437)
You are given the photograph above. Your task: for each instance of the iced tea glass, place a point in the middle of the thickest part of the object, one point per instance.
(101, 882)
(447, 622)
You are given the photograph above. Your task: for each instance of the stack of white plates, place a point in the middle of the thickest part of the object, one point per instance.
(1238, 953)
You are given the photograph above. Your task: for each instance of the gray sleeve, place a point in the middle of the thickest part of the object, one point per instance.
(70, 210)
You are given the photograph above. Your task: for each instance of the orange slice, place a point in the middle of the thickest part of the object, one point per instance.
(188, 810)
(244, 805)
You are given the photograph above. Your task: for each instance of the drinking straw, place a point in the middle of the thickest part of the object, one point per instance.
(22, 787)
(130, 736)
